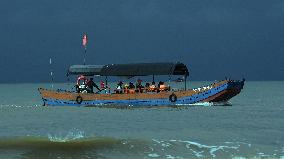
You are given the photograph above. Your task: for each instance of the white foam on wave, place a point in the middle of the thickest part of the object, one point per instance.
(71, 135)
(228, 149)
(238, 157)
(282, 157)
(173, 157)
(212, 149)
(154, 155)
(200, 150)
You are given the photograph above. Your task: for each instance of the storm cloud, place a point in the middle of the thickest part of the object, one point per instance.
(214, 38)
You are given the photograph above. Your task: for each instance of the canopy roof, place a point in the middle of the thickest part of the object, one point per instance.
(134, 69)
(87, 70)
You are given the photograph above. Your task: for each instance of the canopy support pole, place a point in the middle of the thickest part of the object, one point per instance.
(153, 78)
(185, 82)
(106, 80)
(106, 86)
(170, 78)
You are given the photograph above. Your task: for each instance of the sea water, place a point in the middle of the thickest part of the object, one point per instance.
(251, 127)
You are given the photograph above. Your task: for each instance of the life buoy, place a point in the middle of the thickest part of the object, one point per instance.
(79, 100)
(81, 78)
(173, 98)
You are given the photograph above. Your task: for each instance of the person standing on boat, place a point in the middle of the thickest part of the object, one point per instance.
(103, 85)
(91, 84)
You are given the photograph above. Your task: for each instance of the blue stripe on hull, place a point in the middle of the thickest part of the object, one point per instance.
(141, 102)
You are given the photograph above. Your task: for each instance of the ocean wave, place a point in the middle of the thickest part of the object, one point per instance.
(78, 145)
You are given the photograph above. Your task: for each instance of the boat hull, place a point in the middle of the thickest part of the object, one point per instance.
(218, 92)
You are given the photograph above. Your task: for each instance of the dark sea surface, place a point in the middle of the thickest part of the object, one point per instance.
(253, 127)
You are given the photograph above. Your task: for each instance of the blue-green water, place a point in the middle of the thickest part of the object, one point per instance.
(253, 127)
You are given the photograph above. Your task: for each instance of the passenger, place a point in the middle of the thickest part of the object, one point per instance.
(131, 85)
(159, 84)
(162, 87)
(153, 87)
(158, 90)
(126, 88)
(147, 87)
(119, 87)
(139, 87)
(131, 88)
(103, 85)
(90, 86)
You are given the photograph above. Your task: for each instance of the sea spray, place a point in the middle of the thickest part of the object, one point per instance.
(71, 135)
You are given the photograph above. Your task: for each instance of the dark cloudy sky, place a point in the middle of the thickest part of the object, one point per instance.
(215, 38)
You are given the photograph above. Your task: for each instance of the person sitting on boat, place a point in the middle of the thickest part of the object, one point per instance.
(139, 87)
(147, 87)
(158, 88)
(131, 88)
(162, 86)
(153, 87)
(90, 86)
(119, 87)
(131, 85)
(126, 88)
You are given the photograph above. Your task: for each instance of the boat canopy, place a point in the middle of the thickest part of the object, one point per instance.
(87, 70)
(133, 69)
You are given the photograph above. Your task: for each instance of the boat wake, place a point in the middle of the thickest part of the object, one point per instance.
(200, 104)
(18, 106)
(207, 104)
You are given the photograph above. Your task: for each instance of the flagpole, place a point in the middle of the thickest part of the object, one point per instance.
(85, 40)
(85, 54)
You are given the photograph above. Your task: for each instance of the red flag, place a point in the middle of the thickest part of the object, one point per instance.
(85, 40)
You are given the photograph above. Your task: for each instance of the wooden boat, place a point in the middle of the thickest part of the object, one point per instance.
(220, 91)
